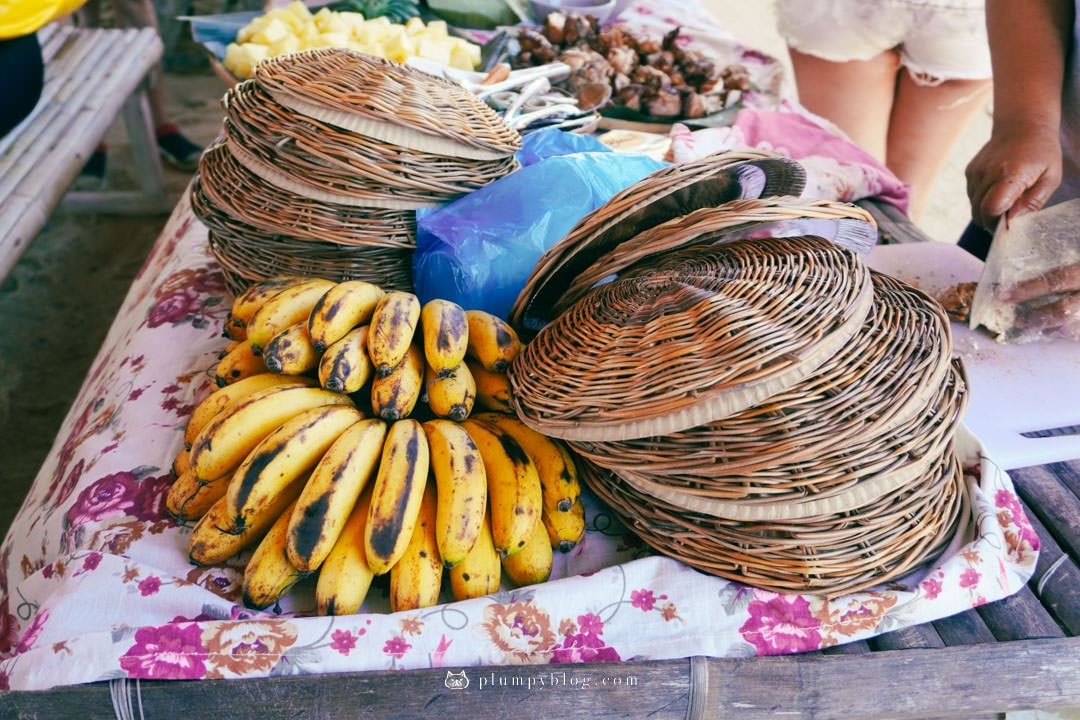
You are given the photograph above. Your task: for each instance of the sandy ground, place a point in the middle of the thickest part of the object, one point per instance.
(58, 302)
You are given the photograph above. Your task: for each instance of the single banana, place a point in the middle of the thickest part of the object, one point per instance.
(227, 439)
(450, 395)
(285, 458)
(515, 497)
(181, 461)
(492, 388)
(268, 574)
(290, 306)
(461, 482)
(416, 578)
(251, 299)
(228, 396)
(532, 564)
(444, 328)
(345, 366)
(554, 460)
(394, 395)
(255, 295)
(492, 341)
(480, 573)
(214, 539)
(345, 576)
(393, 327)
(331, 492)
(458, 471)
(238, 363)
(290, 352)
(189, 497)
(565, 529)
(348, 304)
(396, 494)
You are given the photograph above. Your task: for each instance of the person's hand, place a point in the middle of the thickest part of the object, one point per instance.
(1013, 173)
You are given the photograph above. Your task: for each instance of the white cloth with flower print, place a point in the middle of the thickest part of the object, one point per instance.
(95, 582)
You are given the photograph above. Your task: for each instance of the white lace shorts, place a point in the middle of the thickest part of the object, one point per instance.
(937, 39)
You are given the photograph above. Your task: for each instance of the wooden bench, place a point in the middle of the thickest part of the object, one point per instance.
(92, 76)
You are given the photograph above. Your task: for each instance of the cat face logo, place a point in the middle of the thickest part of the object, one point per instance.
(457, 681)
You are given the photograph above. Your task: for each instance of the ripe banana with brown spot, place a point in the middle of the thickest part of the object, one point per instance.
(283, 460)
(393, 328)
(345, 576)
(238, 363)
(515, 498)
(190, 497)
(288, 307)
(215, 540)
(396, 494)
(227, 439)
(290, 352)
(345, 366)
(444, 328)
(450, 395)
(268, 574)
(181, 461)
(331, 492)
(492, 341)
(416, 578)
(553, 457)
(394, 395)
(228, 396)
(458, 471)
(251, 299)
(348, 304)
(532, 564)
(492, 388)
(480, 573)
(565, 529)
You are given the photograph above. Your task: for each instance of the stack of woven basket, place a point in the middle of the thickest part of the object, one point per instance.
(326, 156)
(765, 409)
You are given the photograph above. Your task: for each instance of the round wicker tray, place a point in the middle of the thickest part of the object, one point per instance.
(698, 334)
(863, 422)
(324, 162)
(831, 554)
(387, 100)
(664, 195)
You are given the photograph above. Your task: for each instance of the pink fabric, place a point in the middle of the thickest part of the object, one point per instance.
(837, 169)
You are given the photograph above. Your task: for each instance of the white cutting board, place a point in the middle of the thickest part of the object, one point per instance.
(1014, 389)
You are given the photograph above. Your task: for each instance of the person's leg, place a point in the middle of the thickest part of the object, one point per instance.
(857, 95)
(22, 80)
(926, 122)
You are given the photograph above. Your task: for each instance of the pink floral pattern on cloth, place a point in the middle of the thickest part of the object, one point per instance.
(95, 582)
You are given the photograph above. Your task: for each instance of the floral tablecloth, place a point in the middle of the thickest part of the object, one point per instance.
(95, 582)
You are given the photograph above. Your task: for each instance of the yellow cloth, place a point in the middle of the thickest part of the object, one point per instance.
(22, 17)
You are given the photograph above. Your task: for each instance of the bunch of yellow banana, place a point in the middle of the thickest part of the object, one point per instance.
(356, 432)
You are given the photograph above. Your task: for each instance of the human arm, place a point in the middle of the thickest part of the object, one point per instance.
(1020, 166)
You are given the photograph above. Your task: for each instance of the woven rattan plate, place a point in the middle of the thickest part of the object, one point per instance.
(325, 162)
(865, 422)
(387, 100)
(668, 193)
(699, 334)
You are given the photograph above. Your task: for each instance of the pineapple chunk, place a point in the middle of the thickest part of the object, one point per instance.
(272, 31)
(240, 59)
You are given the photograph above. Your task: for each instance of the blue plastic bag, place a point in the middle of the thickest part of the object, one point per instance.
(480, 249)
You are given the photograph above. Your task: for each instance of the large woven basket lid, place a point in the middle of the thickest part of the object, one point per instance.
(387, 100)
(330, 159)
(854, 429)
(668, 193)
(242, 197)
(699, 334)
(845, 224)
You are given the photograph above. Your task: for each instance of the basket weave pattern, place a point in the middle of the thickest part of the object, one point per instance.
(311, 191)
(762, 408)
